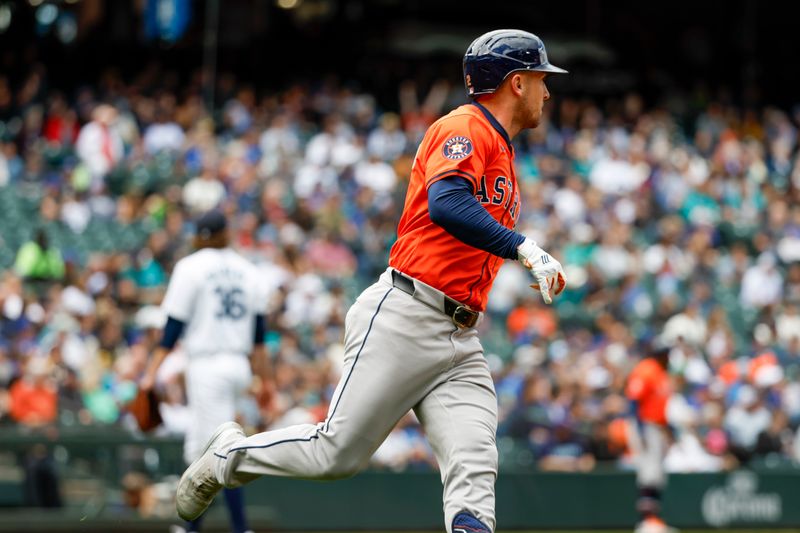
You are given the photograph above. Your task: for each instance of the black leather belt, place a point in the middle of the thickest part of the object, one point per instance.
(462, 316)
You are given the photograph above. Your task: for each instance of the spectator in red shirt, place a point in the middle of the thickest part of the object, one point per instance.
(33, 398)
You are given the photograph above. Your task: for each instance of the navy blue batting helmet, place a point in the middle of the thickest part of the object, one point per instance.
(494, 55)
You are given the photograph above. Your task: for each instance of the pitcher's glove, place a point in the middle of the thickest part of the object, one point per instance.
(144, 408)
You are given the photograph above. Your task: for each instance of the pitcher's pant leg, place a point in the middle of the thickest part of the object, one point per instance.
(460, 420)
(214, 385)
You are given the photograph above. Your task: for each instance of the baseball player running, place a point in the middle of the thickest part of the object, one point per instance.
(410, 339)
(213, 298)
(648, 390)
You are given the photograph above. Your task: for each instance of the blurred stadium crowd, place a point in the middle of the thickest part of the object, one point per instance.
(682, 218)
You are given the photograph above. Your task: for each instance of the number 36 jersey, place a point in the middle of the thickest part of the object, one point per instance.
(217, 293)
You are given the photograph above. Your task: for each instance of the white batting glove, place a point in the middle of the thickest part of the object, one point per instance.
(547, 271)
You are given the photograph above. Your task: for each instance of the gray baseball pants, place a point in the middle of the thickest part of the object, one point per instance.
(649, 445)
(401, 352)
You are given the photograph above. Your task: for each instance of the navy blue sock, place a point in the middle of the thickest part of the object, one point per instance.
(466, 523)
(195, 524)
(234, 498)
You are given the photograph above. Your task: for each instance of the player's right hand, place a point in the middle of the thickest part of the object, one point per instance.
(548, 272)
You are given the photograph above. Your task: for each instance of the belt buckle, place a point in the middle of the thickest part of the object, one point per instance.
(464, 317)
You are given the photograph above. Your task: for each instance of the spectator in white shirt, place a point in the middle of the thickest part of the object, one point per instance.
(762, 284)
(387, 141)
(745, 420)
(375, 174)
(99, 145)
(204, 192)
(164, 134)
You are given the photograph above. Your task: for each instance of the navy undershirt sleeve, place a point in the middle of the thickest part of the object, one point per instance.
(261, 329)
(172, 332)
(452, 206)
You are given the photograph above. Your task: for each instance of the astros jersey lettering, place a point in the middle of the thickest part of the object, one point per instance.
(649, 386)
(217, 294)
(469, 144)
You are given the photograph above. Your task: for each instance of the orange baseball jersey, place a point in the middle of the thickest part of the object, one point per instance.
(649, 386)
(470, 143)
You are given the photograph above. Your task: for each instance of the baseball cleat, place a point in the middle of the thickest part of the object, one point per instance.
(198, 484)
(464, 522)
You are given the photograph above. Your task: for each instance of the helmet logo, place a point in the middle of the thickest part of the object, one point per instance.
(457, 148)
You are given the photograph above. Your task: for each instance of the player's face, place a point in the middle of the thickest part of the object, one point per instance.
(534, 95)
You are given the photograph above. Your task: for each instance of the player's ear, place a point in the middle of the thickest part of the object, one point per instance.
(516, 83)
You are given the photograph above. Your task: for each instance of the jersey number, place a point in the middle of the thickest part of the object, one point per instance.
(231, 305)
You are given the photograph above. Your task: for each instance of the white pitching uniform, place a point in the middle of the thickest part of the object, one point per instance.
(217, 294)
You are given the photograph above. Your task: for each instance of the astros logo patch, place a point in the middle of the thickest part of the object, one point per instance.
(457, 147)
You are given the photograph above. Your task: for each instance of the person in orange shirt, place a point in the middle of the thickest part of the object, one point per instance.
(648, 389)
(33, 398)
(410, 339)
(33, 402)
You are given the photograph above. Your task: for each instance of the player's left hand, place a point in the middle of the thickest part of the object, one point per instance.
(548, 272)
(147, 382)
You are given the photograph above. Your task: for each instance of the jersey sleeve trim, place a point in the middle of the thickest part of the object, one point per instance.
(453, 172)
(260, 330)
(172, 332)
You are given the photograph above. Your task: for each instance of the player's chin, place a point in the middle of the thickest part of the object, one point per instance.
(536, 118)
